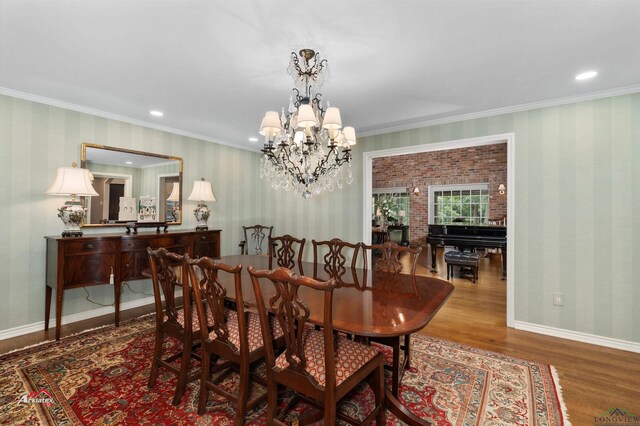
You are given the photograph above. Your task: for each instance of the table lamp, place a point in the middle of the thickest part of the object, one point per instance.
(175, 198)
(73, 182)
(202, 192)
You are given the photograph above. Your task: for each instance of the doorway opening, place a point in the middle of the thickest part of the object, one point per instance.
(416, 191)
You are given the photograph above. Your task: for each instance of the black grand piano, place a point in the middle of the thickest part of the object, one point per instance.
(468, 237)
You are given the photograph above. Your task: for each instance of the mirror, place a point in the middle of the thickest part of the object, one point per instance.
(132, 186)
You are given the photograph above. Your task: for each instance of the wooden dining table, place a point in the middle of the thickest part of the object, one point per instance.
(366, 303)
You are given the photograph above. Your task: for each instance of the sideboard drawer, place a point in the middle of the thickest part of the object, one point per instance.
(170, 241)
(134, 244)
(90, 246)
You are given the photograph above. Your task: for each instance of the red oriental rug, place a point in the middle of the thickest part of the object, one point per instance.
(99, 377)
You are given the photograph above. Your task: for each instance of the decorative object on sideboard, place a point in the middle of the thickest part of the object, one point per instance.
(202, 192)
(128, 211)
(73, 182)
(502, 189)
(174, 197)
(293, 156)
(147, 210)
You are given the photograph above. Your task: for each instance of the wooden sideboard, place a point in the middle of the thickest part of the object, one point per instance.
(89, 260)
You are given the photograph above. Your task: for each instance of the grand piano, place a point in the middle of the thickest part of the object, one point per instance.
(468, 237)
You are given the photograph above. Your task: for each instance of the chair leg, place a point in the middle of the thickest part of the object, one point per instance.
(204, 376)
(379, 392)
(272, 400)
(395, 368)
(185, 360)
(157, 353)
(407, 350)
(243, 394)
(330, 409)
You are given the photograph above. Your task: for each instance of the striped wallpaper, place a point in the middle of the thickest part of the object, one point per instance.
(577, 203)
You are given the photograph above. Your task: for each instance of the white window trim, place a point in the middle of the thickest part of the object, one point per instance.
(465, 187)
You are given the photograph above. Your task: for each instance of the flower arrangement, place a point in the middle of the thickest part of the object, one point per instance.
(387, 207)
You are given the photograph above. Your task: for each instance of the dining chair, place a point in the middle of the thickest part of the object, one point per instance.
(231, 334)
(179, 323)
(254, 237)
(333, 257)
(320, 366)
(290, 248)
(389, 262)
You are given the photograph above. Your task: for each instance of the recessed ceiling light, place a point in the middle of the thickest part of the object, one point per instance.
(156, 113)
(253, 139)
(586, 75)
(128, 162)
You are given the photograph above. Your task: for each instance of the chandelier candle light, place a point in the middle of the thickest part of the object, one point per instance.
(306, 146)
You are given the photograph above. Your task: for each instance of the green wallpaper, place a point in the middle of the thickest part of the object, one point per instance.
(577, 203)
(36, 139)
(577, 209)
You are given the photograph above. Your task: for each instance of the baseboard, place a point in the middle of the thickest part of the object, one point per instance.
(68, 319)
(578, 336)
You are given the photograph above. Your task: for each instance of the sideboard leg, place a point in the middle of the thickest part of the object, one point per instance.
(59, 294)
(116, 297)
(47, 307)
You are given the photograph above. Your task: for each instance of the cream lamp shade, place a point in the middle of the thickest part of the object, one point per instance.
(502, 188)
(72, 181)
(332, 119)
(202, 191)
(402, 213)
(349, 135)
(416, 191)
(306, 116)
(270, 125)
(175, 192)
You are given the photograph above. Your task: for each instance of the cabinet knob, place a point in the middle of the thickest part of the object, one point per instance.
(126, 265)
(132, 244)
(202, 237)
(90, 245)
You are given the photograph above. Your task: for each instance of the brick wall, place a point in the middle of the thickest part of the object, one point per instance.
(483, 164)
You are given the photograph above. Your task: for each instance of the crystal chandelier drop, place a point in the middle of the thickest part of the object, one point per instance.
(306, 146)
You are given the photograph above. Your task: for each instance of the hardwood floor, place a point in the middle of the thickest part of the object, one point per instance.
(594, 379)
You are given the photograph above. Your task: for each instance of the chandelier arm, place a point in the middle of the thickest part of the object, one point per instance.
(291, 168)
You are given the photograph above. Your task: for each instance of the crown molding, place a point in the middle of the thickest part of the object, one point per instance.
(506, 110)
(86, 110)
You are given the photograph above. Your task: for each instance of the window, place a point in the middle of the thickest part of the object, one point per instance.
(399, 198)
(459, 203)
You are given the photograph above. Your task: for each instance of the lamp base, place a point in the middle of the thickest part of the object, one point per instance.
(202, 215)
(72, 214)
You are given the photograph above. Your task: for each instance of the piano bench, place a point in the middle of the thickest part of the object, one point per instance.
(463, 259)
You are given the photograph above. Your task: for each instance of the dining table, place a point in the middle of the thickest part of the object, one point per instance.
(366, 303)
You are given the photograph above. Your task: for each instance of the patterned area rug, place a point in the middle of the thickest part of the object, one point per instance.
(99, 377)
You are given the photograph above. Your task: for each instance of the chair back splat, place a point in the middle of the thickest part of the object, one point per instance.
(255, 237)
(319, 365)
(288, 253)
(389, 257)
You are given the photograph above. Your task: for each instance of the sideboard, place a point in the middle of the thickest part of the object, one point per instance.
(111, 259)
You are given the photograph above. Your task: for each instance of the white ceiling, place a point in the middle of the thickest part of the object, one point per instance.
(215, 67)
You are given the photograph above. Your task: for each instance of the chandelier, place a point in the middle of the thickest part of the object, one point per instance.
(306, 146)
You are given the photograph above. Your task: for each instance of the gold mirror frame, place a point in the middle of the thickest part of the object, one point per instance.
(83, 164)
